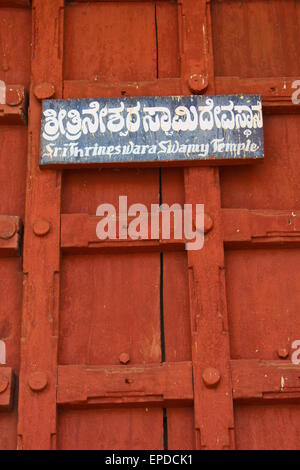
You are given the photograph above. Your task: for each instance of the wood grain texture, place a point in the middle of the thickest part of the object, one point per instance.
(208, 312)
(161, 384)
(111, 41)
(265, 318)
(15, 35)
(10, 233)
(137, 332)
(117, 429)
(266, 34)
(253, 424)
(41, 279)
(265, 380)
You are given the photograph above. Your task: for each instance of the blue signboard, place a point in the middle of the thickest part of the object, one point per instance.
(151, 129)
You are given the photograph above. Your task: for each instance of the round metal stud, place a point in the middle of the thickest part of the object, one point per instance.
(38, 381)
(124, 358)
(211, 377)
(41, 227)
(7, 231)
(283, 353)
(197, 82)
(43, 91)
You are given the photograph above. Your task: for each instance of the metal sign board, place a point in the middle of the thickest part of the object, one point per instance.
(178, 129)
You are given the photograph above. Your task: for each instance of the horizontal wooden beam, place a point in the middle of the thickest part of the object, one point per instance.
(241, 228)
(266, 227)
(10, 230)
(78, 234)
(14, 3)
(91, 89)
(276, 92)
(162, 384)
(265, 380)
(6, 387)
(14, 111)
(170, 384)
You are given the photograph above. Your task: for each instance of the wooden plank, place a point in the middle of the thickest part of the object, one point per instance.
(6, 387)
(108, 40)
(110, 428)
(155, 384)
(276, 91)
(10, 233)
(243, 227)
(213, 409)
(176, 339)
(90, 89)
(37, 397)
(78, 234)
(15, 3)
(270, 47)
(265, 380)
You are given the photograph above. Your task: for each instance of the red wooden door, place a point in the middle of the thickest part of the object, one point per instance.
(134, 345)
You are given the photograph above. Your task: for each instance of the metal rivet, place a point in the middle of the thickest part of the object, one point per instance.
(208, 223)
(124, 358)
(211, 377)
(197, 82)
(8, 231)
(283, 353)
(14, 96)
(43, 91)
(3, 383)
(38, 381)
(41, 227)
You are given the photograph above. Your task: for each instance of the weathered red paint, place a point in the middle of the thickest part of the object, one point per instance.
(14, 111)
(115, 332)
(6, 387)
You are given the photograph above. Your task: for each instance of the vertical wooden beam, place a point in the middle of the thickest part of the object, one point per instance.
(37, 397)
(213, 407)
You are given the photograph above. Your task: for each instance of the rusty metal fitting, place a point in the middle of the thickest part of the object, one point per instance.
(283, 353)
(14, 96)
(41, 227)
(211, 377)
(38, 381)
(4, 382)
(197, 82)
(43, 91)
(124, 358)
(8, 230)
